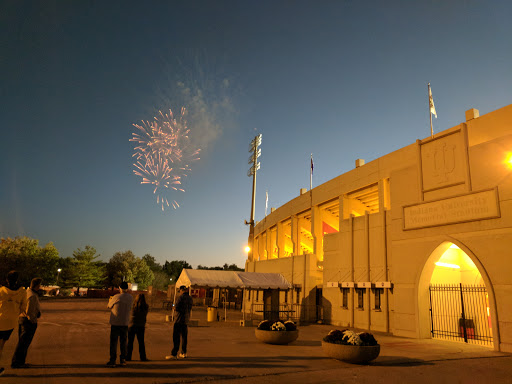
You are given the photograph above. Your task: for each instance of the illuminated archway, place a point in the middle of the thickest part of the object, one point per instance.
(455, 267)
(452, 263)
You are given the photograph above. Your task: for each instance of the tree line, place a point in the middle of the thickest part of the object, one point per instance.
(85, 269)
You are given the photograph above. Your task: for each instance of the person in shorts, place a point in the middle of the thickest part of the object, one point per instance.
(13, 300)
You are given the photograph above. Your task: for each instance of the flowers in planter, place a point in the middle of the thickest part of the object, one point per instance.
(348, 337)
(279, 325)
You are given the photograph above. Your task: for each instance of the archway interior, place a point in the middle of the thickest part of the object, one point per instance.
(455, 267)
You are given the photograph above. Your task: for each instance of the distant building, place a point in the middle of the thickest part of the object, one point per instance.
(417, 243)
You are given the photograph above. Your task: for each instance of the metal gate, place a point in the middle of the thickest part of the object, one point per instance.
(460, 312)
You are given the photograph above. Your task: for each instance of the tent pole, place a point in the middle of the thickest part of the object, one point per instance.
(243, 305)
(189, 293)
(174, 302)
(225, 313)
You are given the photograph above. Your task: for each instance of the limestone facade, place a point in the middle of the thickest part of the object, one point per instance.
(363, 245)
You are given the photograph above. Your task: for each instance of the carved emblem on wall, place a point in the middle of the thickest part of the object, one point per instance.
(443, 158)
(442, 162)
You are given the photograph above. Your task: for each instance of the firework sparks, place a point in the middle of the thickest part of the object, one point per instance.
(163, 154)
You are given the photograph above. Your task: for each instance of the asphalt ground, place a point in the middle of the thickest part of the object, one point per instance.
(71, 345)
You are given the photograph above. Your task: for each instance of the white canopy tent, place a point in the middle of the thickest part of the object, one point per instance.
(207, 278)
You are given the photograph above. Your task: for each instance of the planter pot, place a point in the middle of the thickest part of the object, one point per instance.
(276, 337)
(356, 354)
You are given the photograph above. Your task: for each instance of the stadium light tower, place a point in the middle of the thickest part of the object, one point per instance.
(255, 165)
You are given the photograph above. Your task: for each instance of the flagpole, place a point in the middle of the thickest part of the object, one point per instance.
(311, 174)
(266, 202)
(430, 112)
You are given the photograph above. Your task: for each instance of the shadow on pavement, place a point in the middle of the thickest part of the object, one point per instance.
(113, 372)
(307, 343)
(162, 368)
(255, 359)
(399, 361)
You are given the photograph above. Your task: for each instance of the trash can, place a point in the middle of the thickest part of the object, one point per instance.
(470, 328)
(212, 314)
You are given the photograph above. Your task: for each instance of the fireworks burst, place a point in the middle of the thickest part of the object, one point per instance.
(163, 154)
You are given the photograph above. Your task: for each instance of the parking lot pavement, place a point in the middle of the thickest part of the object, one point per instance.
(72, 345)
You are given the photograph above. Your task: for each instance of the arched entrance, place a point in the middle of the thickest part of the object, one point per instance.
(455, 297)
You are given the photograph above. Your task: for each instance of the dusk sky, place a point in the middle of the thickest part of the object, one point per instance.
(340, 79)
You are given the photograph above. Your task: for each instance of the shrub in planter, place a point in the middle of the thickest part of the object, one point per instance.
(367, 339)
(264, 325)
(290, 325)
(348, 337)
(277, 332)
(335, 336)
(279, 325)
(350, 346)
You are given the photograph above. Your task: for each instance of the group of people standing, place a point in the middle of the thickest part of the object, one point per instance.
(18, 307)
(128, 320)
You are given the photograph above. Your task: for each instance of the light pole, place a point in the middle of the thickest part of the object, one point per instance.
(253, 160)
(58, 274)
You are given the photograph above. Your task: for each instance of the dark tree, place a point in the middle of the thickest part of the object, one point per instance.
(225, 267)
(174, 268)
(29, 259)
(125, 266)
(85, 269)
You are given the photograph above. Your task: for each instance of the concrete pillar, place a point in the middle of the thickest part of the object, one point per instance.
(274, 251)
(384, 199)
(352, 290)
(295, 235)
(317, 232)
(252, 245)
(269, 244)
(280, 239)
(367, 304)
(262, 245)
(345, 208)
(384, 205)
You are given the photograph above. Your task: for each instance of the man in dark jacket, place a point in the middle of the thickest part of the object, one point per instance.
(180, 330)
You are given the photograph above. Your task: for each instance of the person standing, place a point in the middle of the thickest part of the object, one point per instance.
(180, 330)
(27, 324)
(137, 327)
(120, 306)
(13, 300)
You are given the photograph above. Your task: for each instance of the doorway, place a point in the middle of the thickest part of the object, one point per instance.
(271, 304)
(457, 298)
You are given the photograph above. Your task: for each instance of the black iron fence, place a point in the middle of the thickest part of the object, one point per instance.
(293, 312)
(460, 312)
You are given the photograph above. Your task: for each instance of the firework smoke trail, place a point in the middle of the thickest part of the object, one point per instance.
(163, 154)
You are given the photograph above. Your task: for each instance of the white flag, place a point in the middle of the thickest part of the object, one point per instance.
(431, 102)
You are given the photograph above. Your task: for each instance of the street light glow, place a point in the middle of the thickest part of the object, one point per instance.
(247, 249)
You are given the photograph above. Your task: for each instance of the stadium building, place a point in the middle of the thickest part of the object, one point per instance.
(417, 243)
